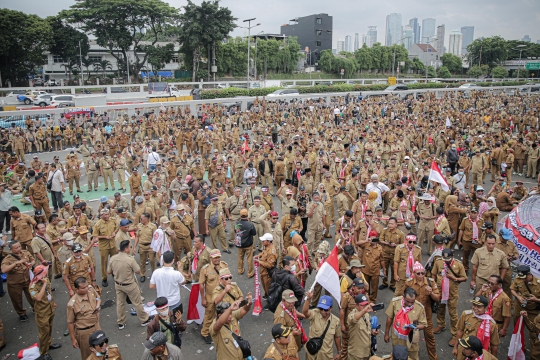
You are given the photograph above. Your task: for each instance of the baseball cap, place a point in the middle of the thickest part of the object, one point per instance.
(325, 302)
(215, 253)
(243, 212)
(139, 199)
(164, 220)
(267, 237)
(361, 299)
(358, 283)
(279, 330)
(67, 236)
(157, 339)
(480, 301)
(103, 199)
(506, 234)
(124, 222)
(97, 338)
(487, 225)
(288, 296)
(523, 271)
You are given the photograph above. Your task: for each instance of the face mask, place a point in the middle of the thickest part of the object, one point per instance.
(70, 243)
(101, 354)
(77, 256)
(164, 313)
(293, 268)
(461, 173)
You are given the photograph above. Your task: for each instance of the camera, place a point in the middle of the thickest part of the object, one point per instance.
(378, 306)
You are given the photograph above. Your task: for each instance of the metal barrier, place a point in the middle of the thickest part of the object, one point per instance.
(194, 105)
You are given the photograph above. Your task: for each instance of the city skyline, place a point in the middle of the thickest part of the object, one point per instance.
(512, 23)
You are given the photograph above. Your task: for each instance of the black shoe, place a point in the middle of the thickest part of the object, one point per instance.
(393, 289)
(46, 357)
(264, 298)
(23, 318)
(231, 245)
(2, 347)
(55, 346)
(207, 339)
(95, 190)
(105, 189)
(71, 193)
(104, 283)
(143, 278)
(53, 289)
(382, 287)
(121, 326)
(147, 321)
(89, 190)
(79, 191)
(227, 251)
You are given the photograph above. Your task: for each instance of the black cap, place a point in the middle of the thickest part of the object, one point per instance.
(480, 301)
(361, 298)
(400, 352)
(97, 338)
(157, 339)
(523, 271)
(348, 250)
(487, 225)
(447, 254)
(76, 247)
(473, 343)
(117, 194)
(438, 239)
(278, 330)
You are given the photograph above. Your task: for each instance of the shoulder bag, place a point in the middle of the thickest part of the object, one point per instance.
(242, 343)
(49, 183)
(314, 345)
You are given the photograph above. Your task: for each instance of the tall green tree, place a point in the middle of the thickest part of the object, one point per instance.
(121, 25)
(363, 58)
(444, 72)
(492, 51)
(452, 62)
(23, 41)
(68, 42)
(499, 72)
(201, 26)
(159, 56)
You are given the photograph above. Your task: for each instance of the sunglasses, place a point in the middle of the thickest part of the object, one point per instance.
(320, 309)
(103, 343)
(420, 273)
(146, 194)
(412, 242)
(492, 283)
(227, 278)
(275, 218)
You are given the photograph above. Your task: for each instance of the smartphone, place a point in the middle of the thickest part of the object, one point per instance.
(179, 308)
(243, 303)
(379, 306)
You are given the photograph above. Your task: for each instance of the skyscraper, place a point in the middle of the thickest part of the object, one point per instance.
(408, 35)
(455, 43)
(526, 38)
(467, 38)
(356, 41)
(372, 35)
(340, 45)
(394, 29)
(440, 39)
(365, 40)
(428, 30)
(348, 43)
(413, 23)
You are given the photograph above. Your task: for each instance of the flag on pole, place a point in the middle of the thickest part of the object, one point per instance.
(195, 308)
(328, 275)
(436, 175)
(516, 350)
(245, 147)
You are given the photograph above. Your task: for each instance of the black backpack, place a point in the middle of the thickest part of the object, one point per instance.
(274, 294)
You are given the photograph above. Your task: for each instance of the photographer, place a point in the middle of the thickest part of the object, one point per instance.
(360, 331)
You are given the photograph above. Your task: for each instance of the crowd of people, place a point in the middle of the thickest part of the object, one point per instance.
(280, 185)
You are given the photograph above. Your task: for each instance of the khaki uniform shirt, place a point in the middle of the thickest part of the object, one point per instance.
(521, 288)
(401, 256)
(209, 278)
(502, 306)
(234, 294)
(287, 227)
(37, 191)
(281, 317)
(23, 228)
(287, 204)
(181, 226)
(225, 348)
(19, 274)
(145, 233)
(457, 267)
(45, 307)
(81, 311)
(78, 268)
(123, 268)
(291, 350)
(42, 246)
(489, 263)
(418, 314)
(254, 213)
(234, 205)
(211, 210)
(395, 237)
(469, 324)
(268, 259)
(204, 258)
(121, 236)
(467, 228)
(422, 294)
(316, 327)
(105, 228)
(359, 335)
(508, 248)
(316, 220)
(371, 258)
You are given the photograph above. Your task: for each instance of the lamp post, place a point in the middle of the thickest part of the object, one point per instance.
(520, 48)
(256, 42)
(310, 63)
(249, 27)
(80, 59)
(394, 61)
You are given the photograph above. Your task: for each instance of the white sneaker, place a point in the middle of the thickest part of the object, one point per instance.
(8, 232)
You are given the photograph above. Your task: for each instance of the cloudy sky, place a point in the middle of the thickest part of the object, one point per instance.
(512, 20)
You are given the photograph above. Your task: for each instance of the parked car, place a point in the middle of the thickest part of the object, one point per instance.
(469, 86)
(534, 88)
(284, 92)
(38, 82)
(59, 99)
(51, 82)
(43, 100)
(397, 87)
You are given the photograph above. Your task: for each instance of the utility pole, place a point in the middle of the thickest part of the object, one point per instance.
(249, 27)
(394, 61)
(80, 59)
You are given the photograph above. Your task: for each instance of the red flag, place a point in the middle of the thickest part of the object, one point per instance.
(436, 175)
(516, 350)
(245, 147)
(328, 275)
(257, 304)
(195, 308)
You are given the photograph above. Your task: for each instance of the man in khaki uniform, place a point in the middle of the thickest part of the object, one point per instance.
(104, 231)
(318, 320)
(120, 167)
(533, 155)
(77, 265)
(122, 233)
(254, 213)
(289, 223)
(403, 252)
(283, 346)
(73, 173)
(182, 223)
(106, 169)
(83, 315)
(390, 238)
(470, 231)
(488, 261)
(427, 213)
(359, 325)
(499, 303)
(227, 290)
(214, 219)
(22, 228)
(417, 316)
(143, 238)
(38, 196)
(42, 247)
(509, 248)
(135, 185)
(18, 144)
(233, 205)
(209, 280)
(123, 267)
(267, 260)
(92, 171)
(287, 315)
(316, 213)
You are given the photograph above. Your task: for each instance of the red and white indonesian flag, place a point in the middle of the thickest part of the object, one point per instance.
(195, 309)
(436, 175)
(30, 353)
(516, 350)
(328, 275)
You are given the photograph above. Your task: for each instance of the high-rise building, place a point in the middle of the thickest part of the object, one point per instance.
(365, 40)
(372, 35)
(440, 39)
(428, 30)
(356, 41)
(348, 43)
(455, 43)
(312, 31)
(394, 29)
(526, 38)
(408, 35)
(467, 38)
(340, 45)
(413, 23)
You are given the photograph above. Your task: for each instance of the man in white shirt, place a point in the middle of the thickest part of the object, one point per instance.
(163, 238)
(153, 159)
(6, 197)
(378, 187)
(57, 188)
(167, 281)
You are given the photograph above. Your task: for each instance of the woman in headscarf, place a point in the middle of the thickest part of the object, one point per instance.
(455, 210)
(320, 257)
(303, 261)
(57, 135)
(490, 211)
(372, 198)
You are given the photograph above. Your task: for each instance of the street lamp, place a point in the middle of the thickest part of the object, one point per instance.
(394, 61)
(80, 59)
(249, 27)
(520, 48)
(310, 62)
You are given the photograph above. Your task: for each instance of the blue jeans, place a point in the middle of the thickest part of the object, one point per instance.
(152, 167)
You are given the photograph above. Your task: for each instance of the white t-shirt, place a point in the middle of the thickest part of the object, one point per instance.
(58, 179)
(153, 159)
(168, 281)
(379, 188)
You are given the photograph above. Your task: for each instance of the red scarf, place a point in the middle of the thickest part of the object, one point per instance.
(297, 323)
(257, 301)
(413, 202)
(401, 320)
(437, 223)
(196, 259)
(298, 175)
(364, 208)
(410, 261)
(445, 284)
(492, 299)
(342, 173)
(484, 331)
(474, 229)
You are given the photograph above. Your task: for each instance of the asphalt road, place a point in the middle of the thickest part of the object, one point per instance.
(255, 329)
